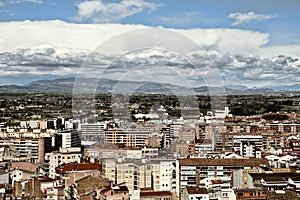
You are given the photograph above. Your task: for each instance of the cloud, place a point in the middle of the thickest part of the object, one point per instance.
(89, 36)
(100, 12)
(150, 65)
(233, 41)
(56, 48)
(46, 62)
(272, 51)
(258, 71)
(241, 18)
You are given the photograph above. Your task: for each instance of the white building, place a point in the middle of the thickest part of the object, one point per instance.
(247, 145)
(70, 138)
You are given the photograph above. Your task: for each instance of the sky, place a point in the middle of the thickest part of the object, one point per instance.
(253, 43)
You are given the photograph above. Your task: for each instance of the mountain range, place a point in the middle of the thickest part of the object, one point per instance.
(65, 85)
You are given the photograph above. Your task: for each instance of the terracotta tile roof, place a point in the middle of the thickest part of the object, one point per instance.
(230, 162)
(77, 167)
(146, 189)
(248, 189)
(24, 166)
(203, 141)
(217, 181)
(287, 195)
(196, 190)
(276, 177)
(156, 193)
(46, 179)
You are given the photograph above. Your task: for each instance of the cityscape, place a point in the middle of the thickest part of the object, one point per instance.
(149, 100)
(46, 154)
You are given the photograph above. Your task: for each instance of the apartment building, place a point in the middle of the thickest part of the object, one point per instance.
(203, 147)
(285, 127)
(113, 152)
(166, 137)
(190, 171)
(23, 149)
(157, 175)
(127, 137)
(92, 132)
(67, 139)
(60, 157)
(248, 145)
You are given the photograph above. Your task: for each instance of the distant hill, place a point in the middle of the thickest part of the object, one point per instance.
(65, 85)
(295, 87)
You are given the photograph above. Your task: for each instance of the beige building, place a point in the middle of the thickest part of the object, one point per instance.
(127, 137)
(137, 175)
(23, 149)
(66, 155)
(43, 125)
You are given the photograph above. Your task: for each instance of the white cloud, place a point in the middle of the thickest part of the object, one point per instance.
(99, 11)
(241, 18)
(234, 41)
(90, 36)
(58, 33)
